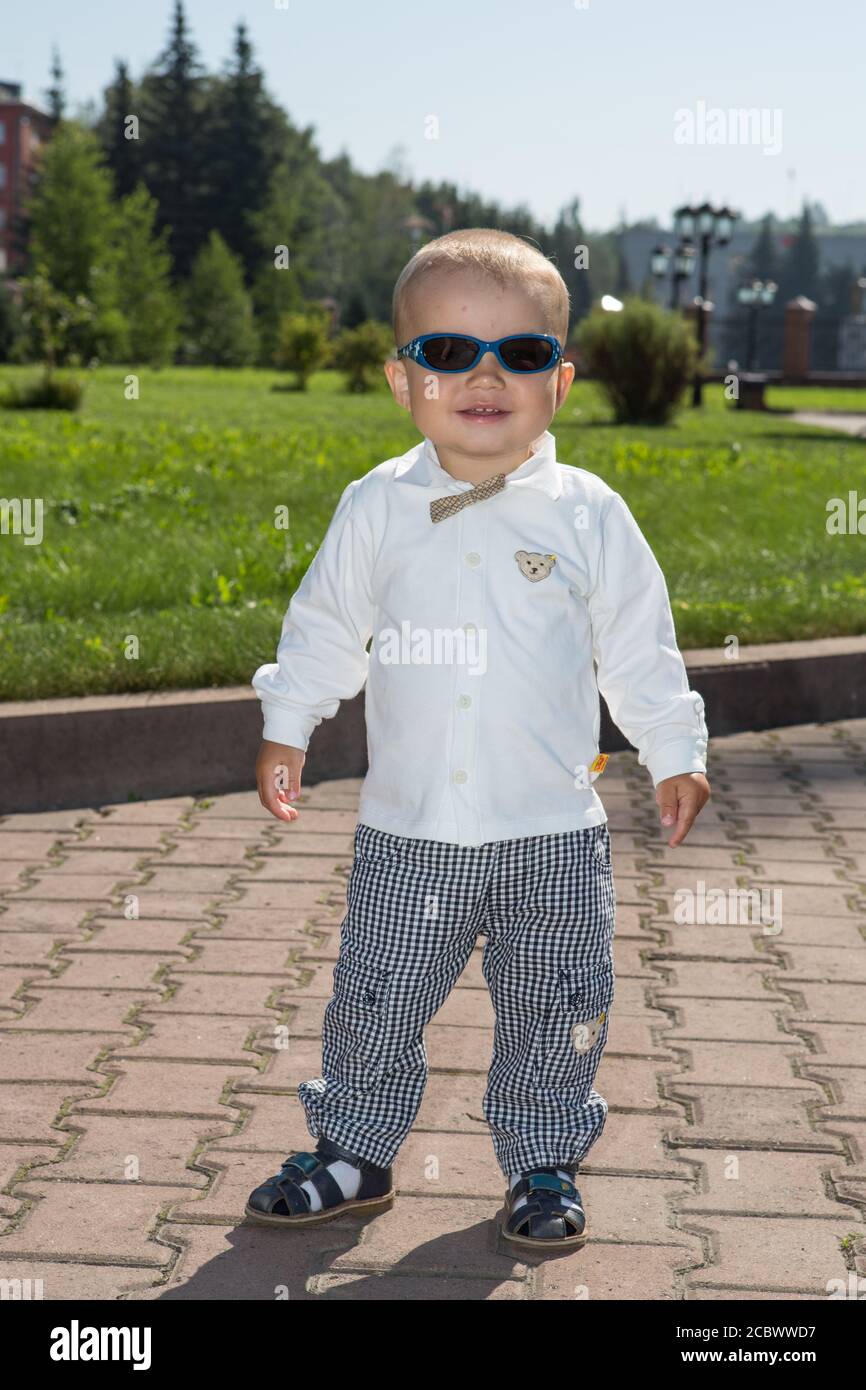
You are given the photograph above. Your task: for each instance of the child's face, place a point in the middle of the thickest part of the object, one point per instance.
(467, 303)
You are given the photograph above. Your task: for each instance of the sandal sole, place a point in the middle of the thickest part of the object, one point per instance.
(558, 1243)
(368, 1207)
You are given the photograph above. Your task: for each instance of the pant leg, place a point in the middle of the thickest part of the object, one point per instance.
(414, 912)
(548, 963)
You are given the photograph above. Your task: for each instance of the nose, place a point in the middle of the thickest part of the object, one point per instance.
(488, 362)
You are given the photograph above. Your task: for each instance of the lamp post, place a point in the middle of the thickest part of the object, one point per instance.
(755, 296)
(713, 227)
(682, 260)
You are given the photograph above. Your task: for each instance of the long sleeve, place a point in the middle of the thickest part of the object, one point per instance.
(640, 671)
(321, 656)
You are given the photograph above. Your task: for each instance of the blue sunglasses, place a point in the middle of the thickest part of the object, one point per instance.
(458, 352)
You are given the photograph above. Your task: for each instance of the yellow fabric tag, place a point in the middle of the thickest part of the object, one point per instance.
(600, 763)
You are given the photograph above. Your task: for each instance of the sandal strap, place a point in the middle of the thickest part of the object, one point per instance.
(295, 1198)
(329, 1190)
(305, 1163)
(541, 1182)
(309, 1168)
(543, 1206)
(298, 1168)
(330, 1150)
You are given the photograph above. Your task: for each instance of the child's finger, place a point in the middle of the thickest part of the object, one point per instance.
(686, 812)
(274, 799)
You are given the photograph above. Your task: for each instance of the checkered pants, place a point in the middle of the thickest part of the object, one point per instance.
(546, 906)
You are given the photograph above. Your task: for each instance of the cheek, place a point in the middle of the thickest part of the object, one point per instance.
(429, 393)
(537, 395)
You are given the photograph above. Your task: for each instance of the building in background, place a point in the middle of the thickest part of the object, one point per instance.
(22, 129)
(838, 339)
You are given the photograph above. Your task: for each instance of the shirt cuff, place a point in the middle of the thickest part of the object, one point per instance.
(675, 759)
(281, 726)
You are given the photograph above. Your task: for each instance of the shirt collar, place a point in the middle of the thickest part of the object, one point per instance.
(421, 466)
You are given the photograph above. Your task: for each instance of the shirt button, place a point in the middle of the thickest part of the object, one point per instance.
(469, 627)
(473, 558)
(460, 775)
(464, 701)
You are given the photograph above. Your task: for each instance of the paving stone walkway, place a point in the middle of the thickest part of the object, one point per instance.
(157, 957)
(828, 420)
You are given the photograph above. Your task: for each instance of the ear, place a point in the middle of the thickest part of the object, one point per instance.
(565, 377)
(520, 554)
(552, 559)
(395, 372)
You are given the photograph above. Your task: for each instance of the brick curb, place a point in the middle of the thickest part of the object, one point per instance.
(93, 750)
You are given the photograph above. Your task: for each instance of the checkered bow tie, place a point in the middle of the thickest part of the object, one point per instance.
(447, 506)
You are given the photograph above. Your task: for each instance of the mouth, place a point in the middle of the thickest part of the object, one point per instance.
(484, 414)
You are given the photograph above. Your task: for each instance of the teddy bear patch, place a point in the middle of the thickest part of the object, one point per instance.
(533, 565)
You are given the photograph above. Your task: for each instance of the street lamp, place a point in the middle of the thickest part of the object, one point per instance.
(659, 260)
(683, 261)
(759, 294)
(713, 227)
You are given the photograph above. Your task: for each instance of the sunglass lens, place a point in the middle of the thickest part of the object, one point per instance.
(448, 354)
(527, 354)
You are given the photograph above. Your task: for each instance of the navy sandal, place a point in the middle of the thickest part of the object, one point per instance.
(282, 1201)
(552, 1219)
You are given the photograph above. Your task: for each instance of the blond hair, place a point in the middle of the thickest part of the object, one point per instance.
(503, 257)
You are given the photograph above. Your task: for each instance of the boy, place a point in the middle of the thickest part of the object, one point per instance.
(489, 576)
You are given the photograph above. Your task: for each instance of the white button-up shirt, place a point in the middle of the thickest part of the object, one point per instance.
(482, 702)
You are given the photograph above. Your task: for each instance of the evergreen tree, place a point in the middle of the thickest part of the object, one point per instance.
(172, 143)
(219, 327)
(122, 149)
(838, 295)
(566, 241)
(762, 262)
(604, 263)
(238, 156)
(73, 233)
(800, 267)
(381, 245)
(55, 94)
(144, 278)
(303, 213)
(622, 283)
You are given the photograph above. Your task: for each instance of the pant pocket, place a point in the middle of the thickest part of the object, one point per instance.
(378, 846)
(357, 1014)
(575, 1028)
(601, 846)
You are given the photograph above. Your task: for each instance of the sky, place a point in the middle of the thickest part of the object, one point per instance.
(630, 106)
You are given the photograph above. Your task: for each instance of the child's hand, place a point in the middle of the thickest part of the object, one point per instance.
(680, 799)
(278, 774)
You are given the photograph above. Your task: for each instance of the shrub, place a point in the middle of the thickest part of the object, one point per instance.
(48, 392)
(360, 353)
(302, 344)
(642, 356)
(11, 324)
(52, 320)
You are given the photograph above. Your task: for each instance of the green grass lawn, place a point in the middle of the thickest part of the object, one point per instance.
(850, 400)
(159, 520)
